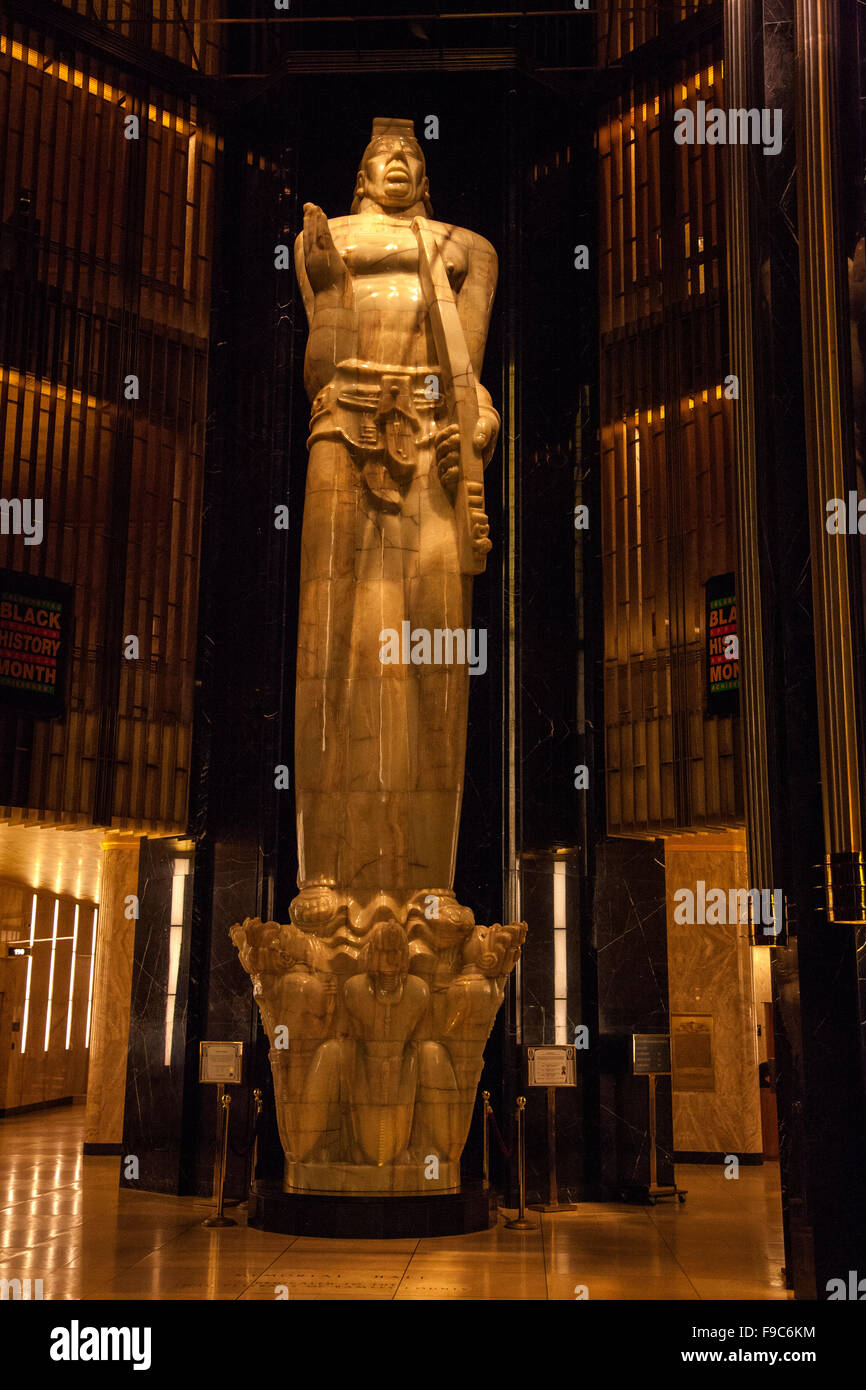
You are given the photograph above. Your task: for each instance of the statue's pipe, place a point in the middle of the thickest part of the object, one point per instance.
(459, 383)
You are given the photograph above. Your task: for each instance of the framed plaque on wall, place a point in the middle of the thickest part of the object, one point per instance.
(692, 1066)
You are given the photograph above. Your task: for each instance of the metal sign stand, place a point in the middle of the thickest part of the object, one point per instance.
(220, 1063)
(654, 1192)
(553, 1203)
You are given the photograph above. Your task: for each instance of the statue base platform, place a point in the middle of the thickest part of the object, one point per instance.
(345, 1217)
(368, 1180)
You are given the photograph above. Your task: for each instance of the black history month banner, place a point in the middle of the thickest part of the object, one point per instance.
(36, 623)
(723, 646)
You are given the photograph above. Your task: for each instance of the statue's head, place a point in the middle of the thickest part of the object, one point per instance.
(494, 950)
(392, 175)
(387, 951)
(260, 946)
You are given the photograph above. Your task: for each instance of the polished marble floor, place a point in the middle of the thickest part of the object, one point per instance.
(64, 1221)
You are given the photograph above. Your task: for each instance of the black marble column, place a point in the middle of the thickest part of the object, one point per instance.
(553, 305)
(631, 946)
(538, 1004)
(819, 1018)
(244, 821)
(155, 1128)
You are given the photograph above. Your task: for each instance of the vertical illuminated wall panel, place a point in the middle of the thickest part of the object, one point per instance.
(623, 27)
(105, 262)
(668, 518)
(170, 27)
(43, 996)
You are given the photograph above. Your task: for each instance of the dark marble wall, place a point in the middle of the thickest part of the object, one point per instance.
(552, 344)
(242, 822)
(537, 1013)
(226, 1012)
(155, 1125)
(170, 1121)
(631, 946)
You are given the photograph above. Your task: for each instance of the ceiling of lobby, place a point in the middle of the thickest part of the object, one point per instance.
(67, 862)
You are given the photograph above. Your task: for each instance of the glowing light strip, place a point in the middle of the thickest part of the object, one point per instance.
(686, 403)
(51, 975)
(560, 974)
(94, 86)
(37, 940)
(46, 387)
(29, 973)
(90, 985)
(633, 112)
(178, 893)
(72, 978)
(171, 998)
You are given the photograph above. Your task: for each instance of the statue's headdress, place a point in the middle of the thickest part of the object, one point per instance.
(390, 125)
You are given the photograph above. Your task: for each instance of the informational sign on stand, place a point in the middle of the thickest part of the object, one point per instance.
(552, 1066)
(651, 1054)
(651, 1057)
(221, 1062)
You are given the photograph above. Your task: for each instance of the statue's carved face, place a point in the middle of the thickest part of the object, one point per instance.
(258, 945)
(495, 949)
(387, 951)
(484, 950)
(390, 962)
(392, 174)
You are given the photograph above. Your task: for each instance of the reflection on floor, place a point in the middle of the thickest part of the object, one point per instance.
(64, 1221)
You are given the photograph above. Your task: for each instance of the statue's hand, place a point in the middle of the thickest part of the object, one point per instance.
(325, 267)
(447, 444)
(487, 428)
(485, 434)
(479, 524)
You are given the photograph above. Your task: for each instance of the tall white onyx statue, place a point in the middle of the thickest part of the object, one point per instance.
(379, 995)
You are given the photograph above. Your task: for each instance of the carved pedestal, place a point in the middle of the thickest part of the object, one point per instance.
(377, 1032)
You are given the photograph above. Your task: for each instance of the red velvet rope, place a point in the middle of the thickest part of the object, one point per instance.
(506, 1153)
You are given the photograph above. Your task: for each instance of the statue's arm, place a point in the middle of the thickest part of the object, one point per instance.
(474, 306)
(326, 290)
(304, 285)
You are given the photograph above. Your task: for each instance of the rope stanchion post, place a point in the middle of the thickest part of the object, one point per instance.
(222, 1151)
(257, 1097)
(521, 1222)
(485, 1122)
